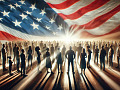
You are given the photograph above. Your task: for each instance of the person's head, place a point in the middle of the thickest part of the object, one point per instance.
(79, 44)
(52, 45)
(111, 46)
(58, 49)
(106, 45)
(30, 47)
(47, 49)
(70, 48)
(83, 50)
(3, 45)
(22, 50)
(88, 47)
(102, 47)
(15, 44)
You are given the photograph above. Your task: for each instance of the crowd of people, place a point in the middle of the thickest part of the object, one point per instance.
(20, 52)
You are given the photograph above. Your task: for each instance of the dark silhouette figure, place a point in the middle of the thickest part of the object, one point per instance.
(4, 58)
(52, 49)
(89, 56)
(10, 65)
(48, 61)
(14, 53)
(38, 55)
(96, 54)
(111, 52)
(102, 58)
(30, 55)
(22, 62)
(63, 53)
(79, 50)
(118, 56)
(56, 46)
(18, 58)
(70, 55)
(59, 60)
(83, 61)
(107, 50)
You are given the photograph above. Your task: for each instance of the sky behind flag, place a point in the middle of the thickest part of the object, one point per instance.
(34, 19)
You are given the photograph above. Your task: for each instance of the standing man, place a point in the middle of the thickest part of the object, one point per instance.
(15, 51)
(70, 55)
(96, 54)
(111, 52)
(102, 57)
(22, 62)
(79, 51)
(59, 60)
(63, 53)
(89, 56)
(107, 50)
(4, 57)
(118, 56)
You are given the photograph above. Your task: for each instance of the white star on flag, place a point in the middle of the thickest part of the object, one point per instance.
(47, 27)
(28, 12)
(35, 26)
(52, 20)
(5, 13)
(1, 19)
(39, 19)
(33, 7)
(17, 23)
(60, 27)
(43, 12)
(17, 5)
(23, 16)
(11, 6)
(22, 2)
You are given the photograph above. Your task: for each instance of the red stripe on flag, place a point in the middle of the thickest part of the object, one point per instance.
(64, 4)
(94, 5)
(98, 21)
(86, 34)
(8, 37)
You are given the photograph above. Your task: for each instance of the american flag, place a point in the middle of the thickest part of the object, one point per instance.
(40, 19)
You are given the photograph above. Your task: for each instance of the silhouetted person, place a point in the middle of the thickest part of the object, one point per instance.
(38, 56)
(18, 58)
(33, 50)
(111, 52)
(89, 56)
(93, 49)
(14, 52)
(102, 58)
(107, 50)
(96, 54)
(48, 61)
(79, 50)
(52, 49)
(10, 47)
(56, 46)
(30, 55)
(118, 56)
(70, 55)
(63, 53)
(10, 65)
(59, 60)
(4, 58)
(83, 61)
(22, 62)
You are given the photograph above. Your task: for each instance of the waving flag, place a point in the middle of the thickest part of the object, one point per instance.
(40, 19)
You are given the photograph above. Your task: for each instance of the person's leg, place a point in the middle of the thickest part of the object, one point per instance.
(61, 67)
(58, 67)
(68, 66)
(97, 59)
(24, 70)
(104, 64)
(72, 63)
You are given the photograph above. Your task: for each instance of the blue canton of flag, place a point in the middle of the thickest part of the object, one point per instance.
(31, 17)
